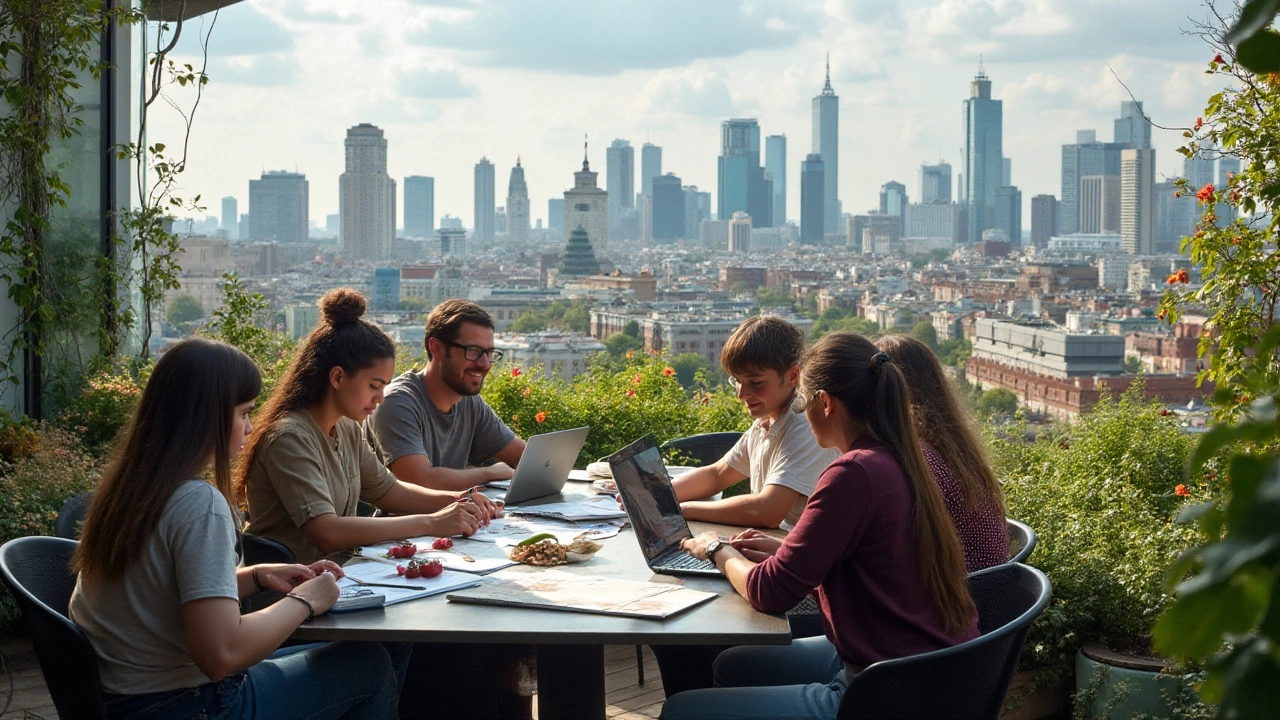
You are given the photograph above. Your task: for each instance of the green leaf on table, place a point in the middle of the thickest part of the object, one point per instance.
(1260, 53)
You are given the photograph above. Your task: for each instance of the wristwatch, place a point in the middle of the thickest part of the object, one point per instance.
(715, 547)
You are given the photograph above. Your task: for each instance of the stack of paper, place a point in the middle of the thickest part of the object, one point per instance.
(383, 580)
(552, 590)
(600, 507)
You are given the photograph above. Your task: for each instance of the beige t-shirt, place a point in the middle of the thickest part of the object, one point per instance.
(785, 453)
(301, 472)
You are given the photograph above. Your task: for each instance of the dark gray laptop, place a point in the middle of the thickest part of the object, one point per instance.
(544, 467)
(654, 512)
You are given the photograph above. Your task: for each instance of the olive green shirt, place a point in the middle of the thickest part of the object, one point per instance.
(301, 472)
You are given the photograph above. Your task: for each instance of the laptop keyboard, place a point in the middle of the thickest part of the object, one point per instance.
(685, 561)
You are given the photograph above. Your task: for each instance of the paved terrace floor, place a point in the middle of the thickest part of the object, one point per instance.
(628, 700)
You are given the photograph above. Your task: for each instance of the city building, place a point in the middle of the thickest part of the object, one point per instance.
(714, 234)
(938, 220)
(517, 206)
(386, 288)
(553, 354)
(278, 207)
(555, 216)
(700, 328)
(1100, 204)
(332, 224)
(578, 259)
(775, 166)
(230, 218)
(1137, 201)
(641, 288)
(1132, 128)
(893, 200)
(935, 183)
(367, 196)
(1086, 243)
(419, 206)
(1006, 214)
(812, 195)
(450, 222)
(1085, 158)
(431, 283)
(299, 320)
(740, 233)
(650, 166)
(742, 182)
(668, 207)
(620, 175)
(873, 233)
(586, 206)
(1177, 214)
(826, 143)
(750, 278)
(484, 202)
(983, 155)
(1113, 271)
(697, 207)
(1044, 219)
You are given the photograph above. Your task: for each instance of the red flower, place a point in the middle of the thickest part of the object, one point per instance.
(1161, 315)
(1164, 412)
(668, 371)
(1172, 279)
(1182, 491)
(515, 372)
(637, 379)
(631, 393)
(540, 417)
(1217, 60)
(1206, 193)
(1199, 123)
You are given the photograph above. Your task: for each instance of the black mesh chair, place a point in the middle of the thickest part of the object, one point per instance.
(705, 448)
(71, 515)
(969, 680)
(1022, 540)
(37, 570)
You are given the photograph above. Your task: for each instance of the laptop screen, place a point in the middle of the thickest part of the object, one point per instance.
(651, 503)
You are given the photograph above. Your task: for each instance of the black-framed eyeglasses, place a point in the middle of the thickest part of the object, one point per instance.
(473, 352)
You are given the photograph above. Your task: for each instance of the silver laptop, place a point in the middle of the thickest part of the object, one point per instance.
(544, 467)
(654, 511)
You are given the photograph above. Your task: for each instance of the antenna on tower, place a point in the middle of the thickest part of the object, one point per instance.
(827, 89)
(981, 68)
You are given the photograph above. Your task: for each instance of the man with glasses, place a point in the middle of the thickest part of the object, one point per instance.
(434, 423)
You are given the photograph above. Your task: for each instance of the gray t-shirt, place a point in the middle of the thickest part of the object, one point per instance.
(408, 423)
(134, 622)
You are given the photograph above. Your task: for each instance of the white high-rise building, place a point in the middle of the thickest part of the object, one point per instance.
(419, 206)
(826, 128)
(1138, 201)
(484, 201)
(587, 205)
(367, 196)
(740, 233)
(517, 206)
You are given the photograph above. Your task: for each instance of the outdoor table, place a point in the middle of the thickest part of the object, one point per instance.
(570, 645)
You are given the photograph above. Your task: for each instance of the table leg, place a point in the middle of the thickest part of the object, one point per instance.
(571, 682)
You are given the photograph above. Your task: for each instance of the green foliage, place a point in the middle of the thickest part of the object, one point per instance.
(562, 315)
(1132, 364)
(632, 328)
(620, 401)
(925, 333)
(836, 319)
(954, 352)
(619, 344)
(1258, 46)
(184, 309)
(242, 321)
(770, 298)
(53, 468)
(997, 402)
(104, 406)
(1103, 506)
(693, 370)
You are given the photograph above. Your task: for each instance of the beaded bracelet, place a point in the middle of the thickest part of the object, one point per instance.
(256, 581)
(311, 609)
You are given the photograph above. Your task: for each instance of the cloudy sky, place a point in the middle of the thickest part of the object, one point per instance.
(450, 81)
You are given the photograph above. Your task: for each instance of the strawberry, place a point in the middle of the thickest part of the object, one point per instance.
(400, 570)
(431, 568)
(413, 572)
(442, 543)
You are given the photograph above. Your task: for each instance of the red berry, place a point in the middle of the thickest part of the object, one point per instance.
(431, 568)
(400, 570)
(412, 572)
(443, 543)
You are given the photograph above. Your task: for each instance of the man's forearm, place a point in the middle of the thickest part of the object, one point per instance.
(438, 478)
(742, 510)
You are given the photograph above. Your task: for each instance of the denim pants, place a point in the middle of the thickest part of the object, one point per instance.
(801, 681)
(336, 680)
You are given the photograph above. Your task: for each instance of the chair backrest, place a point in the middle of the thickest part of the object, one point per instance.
(258, 550)
(705, 448)
(1022, 540)
(967, 681)
(71, 515)
(37, 570)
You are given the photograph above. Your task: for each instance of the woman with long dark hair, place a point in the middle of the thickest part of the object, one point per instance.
(955, 453)
(158, 592)
(874, 544)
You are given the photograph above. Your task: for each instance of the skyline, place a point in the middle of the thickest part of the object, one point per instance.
(446, 95)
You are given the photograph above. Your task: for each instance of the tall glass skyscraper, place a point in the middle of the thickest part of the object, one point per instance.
(650, 166)
(826, 142)
(1086, 158)
(484, 201)
(620, 182)
(419, 206)
(517, 205)
(812, 200)
(983, 154)
(742, 184)
(775, 164)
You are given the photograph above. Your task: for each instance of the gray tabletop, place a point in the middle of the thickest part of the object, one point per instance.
(726, 620)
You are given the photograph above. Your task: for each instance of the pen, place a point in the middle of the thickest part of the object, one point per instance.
(390, 585)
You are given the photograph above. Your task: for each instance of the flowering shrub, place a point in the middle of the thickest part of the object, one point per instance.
(103, 408)
(1102, 495)
(35, 486)
(620, 401)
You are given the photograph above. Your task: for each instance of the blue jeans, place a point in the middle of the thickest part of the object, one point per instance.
(801, 681)
(307, 682)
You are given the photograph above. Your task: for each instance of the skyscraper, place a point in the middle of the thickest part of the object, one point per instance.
(620, 182)
(555, 215)
(813, 196)
(697, 207)
(650, 166)
(586, 205)
(419, 206)
(826, 142)
(1137, 201)
(740, 233)
(893, 201)
(1007, 213)
(278, 207)
(1044, 219)
(230, 217)
(367, 195)
(668, 207)
(775, 164)
(983, 154)
(1132, 129)
(1086, 157)
(1100, 204)
(742, 183)
(517, 206)
(935, 183)
(484, 201)
(1176, 216)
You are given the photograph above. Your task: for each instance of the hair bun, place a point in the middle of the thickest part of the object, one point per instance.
(342, 305)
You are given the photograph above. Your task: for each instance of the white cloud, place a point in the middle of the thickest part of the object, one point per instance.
(434, 82)
(701, 89)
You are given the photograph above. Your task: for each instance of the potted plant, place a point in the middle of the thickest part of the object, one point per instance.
(1102, 494)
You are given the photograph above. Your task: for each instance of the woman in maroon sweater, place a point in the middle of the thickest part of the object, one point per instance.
(875, 545)
(955, 453)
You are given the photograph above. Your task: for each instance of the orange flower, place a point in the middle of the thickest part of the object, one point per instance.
(637, 379)
(631, 354)
(1206, 193)
(668, 371)
(540, 417)
(515, 372)
(526, 391)
(1182, 491)
(515, 418)
(1172, 279)
(631, 393)
(1183, 276)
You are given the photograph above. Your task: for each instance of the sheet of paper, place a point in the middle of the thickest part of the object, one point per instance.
(553, 590)
(485, 558)
(371, 572)
(600, 507)
(511, 530)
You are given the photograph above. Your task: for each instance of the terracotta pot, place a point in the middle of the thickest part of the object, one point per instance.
(1045, 701)
(1128, 684)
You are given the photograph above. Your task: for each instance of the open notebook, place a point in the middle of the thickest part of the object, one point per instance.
(383, 580)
